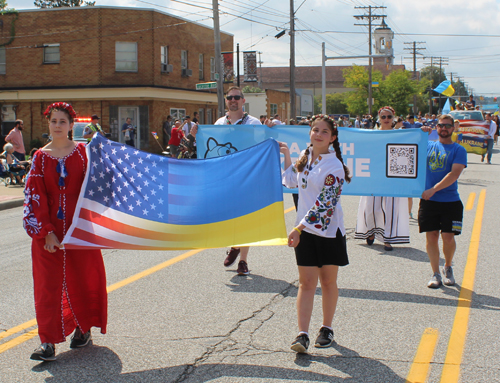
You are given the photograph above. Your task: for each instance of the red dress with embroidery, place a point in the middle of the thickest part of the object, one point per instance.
(70, 285)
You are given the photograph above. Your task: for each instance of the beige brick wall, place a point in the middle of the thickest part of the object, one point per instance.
(87, 38)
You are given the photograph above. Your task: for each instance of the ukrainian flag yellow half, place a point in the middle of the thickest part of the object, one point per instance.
(445, 88)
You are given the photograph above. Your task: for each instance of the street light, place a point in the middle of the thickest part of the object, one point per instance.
(280, 34)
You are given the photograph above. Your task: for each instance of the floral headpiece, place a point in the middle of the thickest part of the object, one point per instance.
(389, 108)
(60, 105)
(323, 116)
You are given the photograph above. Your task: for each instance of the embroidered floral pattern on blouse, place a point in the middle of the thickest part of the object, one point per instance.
(307, 170)
(30, 223)
(320, 214)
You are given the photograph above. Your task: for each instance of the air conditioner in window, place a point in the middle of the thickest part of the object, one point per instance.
(167, 68)
(187, 72)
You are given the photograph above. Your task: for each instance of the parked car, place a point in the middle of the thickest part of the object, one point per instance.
(78, 128)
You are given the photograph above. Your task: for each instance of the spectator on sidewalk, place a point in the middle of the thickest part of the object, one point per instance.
(15, 137)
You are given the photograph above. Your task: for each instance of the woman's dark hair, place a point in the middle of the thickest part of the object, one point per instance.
(302, 161)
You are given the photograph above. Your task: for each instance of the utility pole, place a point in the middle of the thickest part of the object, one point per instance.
(323, 79)
(293, 113)
(370, 17)
(218, 60)
(451, 79)
(260, 70)
(415, 51)
(442, 61)
(238, 65)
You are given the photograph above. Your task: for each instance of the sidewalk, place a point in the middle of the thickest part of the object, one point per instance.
(11, 196)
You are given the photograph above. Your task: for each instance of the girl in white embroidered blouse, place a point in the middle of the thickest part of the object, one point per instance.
(318, 236)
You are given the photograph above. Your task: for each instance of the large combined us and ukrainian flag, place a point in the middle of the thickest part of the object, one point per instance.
(136, 200)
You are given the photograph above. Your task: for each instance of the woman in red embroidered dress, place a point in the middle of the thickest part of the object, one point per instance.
(70, 285)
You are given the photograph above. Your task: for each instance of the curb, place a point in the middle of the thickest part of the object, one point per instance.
(14, 202)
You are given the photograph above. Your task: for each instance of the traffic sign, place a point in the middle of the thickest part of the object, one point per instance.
(206, 85)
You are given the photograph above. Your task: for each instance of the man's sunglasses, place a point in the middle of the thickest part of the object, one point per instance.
(446, 126)
(230, 98)
(384, 117)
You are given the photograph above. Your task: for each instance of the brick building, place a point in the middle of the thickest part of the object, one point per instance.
(113, 61)
(309, 78)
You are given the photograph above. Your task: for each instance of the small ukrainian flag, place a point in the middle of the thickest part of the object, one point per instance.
(445, 88)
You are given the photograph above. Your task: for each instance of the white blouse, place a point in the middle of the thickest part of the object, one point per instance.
(320, 185)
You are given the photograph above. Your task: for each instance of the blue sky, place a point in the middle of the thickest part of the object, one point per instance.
(473, 50)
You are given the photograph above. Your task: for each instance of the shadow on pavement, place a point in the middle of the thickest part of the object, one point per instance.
(260, 284)
(399, 251)
(362, 370)
(100, 364)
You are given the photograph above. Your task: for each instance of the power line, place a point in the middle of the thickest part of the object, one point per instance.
(413, 34)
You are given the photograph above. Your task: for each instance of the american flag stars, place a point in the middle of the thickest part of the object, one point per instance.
(114, 175)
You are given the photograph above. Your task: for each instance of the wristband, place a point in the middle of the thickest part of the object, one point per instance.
(298, 230)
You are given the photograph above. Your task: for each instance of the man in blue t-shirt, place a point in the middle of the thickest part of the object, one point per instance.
(440, 207)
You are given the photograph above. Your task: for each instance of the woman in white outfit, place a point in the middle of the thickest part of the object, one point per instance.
(383, 218)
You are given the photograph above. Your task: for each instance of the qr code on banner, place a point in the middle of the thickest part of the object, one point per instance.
(402, 160)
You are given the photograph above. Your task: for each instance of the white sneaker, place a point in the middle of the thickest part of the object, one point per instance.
(435, 281)
(449, 279)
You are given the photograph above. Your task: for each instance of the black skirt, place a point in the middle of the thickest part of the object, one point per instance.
(317, 251)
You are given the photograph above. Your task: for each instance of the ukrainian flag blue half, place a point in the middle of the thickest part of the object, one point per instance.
(445, 88)
(136, 200)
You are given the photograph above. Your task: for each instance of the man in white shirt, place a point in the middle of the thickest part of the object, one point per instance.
(276, 120)
(187, 125)
(235, 116)
(491, 135)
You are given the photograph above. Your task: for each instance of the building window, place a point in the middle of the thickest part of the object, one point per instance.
(201, 77)
(51, 54)
(274, 109)
(126, 57)
(165, 67)
(164, 55)
(177, 113)
(3, 61)
(184, 59)
(209, 117)
(212, 69)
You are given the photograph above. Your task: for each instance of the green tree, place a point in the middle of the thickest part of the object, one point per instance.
(356, 77)
(398, 89)
(62, 3)
(251, 89)
(335, 103)
(460, 89)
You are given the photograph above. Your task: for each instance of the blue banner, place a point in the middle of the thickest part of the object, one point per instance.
(382, 163)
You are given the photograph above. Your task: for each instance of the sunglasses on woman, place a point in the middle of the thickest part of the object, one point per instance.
(384, 117)
(230, 98)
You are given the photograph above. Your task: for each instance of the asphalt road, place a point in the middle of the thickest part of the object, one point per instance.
(193, 320)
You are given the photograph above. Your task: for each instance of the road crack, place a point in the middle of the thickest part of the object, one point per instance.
(230, 345)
